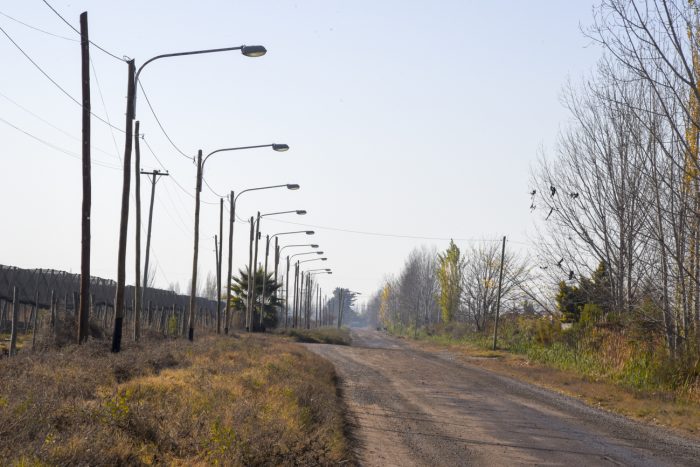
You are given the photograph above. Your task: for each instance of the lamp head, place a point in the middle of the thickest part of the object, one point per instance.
(319, 252)
(314, 246)
(253, 50)
(330, 272)
(310, 232)
(324, 259)
(280, 147)
(301, 212)
(292, 186)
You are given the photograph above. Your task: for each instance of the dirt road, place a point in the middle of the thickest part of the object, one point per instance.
(409, 407)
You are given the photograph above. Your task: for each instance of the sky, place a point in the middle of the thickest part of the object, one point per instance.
(415, 120)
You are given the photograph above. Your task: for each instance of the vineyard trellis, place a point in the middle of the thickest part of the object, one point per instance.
(51, 290)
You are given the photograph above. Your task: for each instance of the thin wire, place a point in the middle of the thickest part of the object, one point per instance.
(43, 120)
(121, 59)
(53, 81)
(391, 235)
(57, 148)
(104, 106)
(172, 177)
(38, 29)
(148, 101)
(211, 189)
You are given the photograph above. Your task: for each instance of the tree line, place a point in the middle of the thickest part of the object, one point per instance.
(616, 202)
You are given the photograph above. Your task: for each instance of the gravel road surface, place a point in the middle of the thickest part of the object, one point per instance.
(410, 407)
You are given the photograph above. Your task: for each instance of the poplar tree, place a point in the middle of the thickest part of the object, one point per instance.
(450, 270)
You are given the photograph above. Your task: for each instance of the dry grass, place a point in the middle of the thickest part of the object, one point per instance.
(327, 335)
(251, 400)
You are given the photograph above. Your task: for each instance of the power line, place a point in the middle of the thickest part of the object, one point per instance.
(54, 81)
(56, 148)
(211, 189)
(172, 177)
(121, 59)
(104, 106)
(38, 29)
(148, 101)
(43, 120)
(392, 235)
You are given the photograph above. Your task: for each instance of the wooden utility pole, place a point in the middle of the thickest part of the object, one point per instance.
(219, 257)
(137, 229)
(255, 272)
(277, 260)
(264, 282)
(217, 254)
(498, 297)
(231, 217)
(154, 178)
(84, 314)
(296, 295)
(286, 296)
(193, 293)
(124, 221)
(249, 305)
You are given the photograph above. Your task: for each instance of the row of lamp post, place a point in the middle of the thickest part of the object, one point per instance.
(133, 82)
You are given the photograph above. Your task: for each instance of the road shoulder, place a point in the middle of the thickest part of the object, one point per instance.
(659, 409)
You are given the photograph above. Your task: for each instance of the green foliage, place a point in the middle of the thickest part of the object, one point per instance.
(569, 302)
(450, 270)
(593, 292)
(239, 296)
(590, 314)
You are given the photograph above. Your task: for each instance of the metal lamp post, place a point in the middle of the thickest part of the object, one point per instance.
(267, 252)
(232, 218)
(200, 171)
(252, 268)
(133, 77)
(301, 286)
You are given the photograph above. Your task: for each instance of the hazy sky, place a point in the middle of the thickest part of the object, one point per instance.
(409, 118)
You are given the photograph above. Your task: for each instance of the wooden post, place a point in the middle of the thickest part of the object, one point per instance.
(36, 312)
(264, 282)
(248, 313)
(54, 313)
(219, 257)
(3, 313)
(193, 293)
(231, 218)
(13, 326)
(124, 221)
(286, 296)
(84, 313)
(253, 291)
(154, 178)
(498, 297)
(137, 230)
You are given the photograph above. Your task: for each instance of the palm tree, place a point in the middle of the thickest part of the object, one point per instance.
(239, 297)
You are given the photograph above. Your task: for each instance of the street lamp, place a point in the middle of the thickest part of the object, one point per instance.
(133, 77)
(232, 219)
(252, 268)
(319, 312)
(267, 252)
(301, 285)
(198, 190)
(296, 277)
